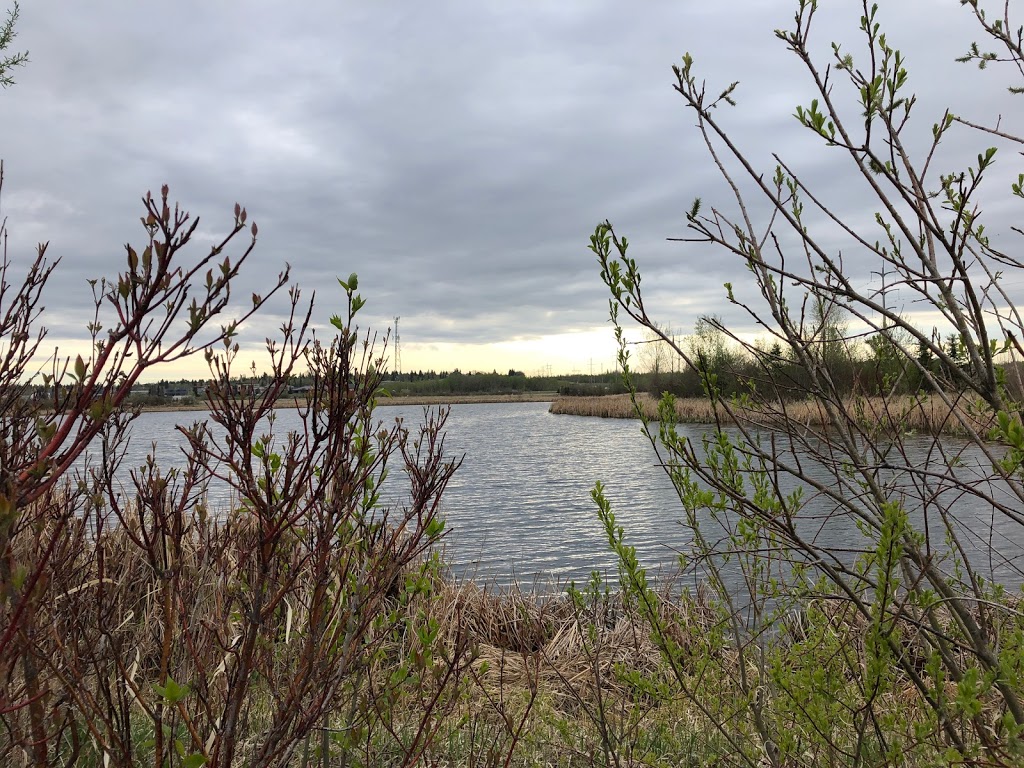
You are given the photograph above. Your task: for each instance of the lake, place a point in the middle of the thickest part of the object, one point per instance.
(519, 508)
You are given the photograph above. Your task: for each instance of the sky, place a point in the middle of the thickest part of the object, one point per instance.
(455, 155)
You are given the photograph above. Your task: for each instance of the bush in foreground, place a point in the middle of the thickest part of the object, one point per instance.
(144, 628)
(846, 522)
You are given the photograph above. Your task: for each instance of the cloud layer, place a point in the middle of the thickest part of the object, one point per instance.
(455, 155)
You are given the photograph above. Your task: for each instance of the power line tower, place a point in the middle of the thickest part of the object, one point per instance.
(398, 349)
(885, 294)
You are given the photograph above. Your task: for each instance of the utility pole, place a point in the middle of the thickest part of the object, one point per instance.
(398, 350)
(885, 295)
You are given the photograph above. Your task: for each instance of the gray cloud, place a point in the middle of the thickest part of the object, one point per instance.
(455, 155)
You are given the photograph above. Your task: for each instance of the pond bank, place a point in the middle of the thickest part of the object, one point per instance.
(928, 414)
(291, 402)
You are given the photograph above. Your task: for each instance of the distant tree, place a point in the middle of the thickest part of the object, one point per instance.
(892, 369)
(709, 345)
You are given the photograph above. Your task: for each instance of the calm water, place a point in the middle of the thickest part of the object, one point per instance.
(520, 505)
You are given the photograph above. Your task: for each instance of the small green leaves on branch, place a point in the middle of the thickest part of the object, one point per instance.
(171, 692)
(356, 302)
(81, 369)
(620, 274)
(7, 35)
(984, 161)
(814, 119)
(940, 128)
(351, 284)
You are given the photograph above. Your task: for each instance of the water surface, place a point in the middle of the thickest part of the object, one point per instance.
(520, 506)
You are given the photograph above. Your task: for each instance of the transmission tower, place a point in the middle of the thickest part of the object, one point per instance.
(398, 349)
(885, 294)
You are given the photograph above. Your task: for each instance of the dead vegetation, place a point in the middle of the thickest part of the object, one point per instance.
(926, 414)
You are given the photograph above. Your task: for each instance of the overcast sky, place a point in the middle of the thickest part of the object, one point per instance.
(455, 155)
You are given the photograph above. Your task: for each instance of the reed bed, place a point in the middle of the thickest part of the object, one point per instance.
(524, 638)
(902, 413)
(555, 663)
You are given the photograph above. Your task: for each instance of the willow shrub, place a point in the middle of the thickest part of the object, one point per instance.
(141, 627)
(862, 617)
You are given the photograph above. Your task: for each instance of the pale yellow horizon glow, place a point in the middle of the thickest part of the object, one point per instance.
(579, 352)
(589, 351)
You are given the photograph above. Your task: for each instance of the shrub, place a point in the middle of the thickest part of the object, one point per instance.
(905, 646)
(146, 629)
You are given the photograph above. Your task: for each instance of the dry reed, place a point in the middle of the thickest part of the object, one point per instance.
(523, 638)
(903, 413)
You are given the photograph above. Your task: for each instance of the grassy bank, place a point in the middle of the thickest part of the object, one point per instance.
(928, 414)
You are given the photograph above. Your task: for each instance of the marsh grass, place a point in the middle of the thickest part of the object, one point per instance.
(556, 681)
(925, 414)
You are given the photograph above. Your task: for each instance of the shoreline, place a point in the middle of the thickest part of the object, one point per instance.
(519, 397)
(926, 415)
(292, 402)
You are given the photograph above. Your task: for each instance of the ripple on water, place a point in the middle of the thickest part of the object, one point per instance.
(520, 506)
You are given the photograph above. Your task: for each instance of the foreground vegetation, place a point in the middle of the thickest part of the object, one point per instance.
(137, 663)
(917, 568)
(314, 624)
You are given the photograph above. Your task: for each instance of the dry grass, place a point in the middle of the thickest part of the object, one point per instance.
(523, 638)
(576, 656)
(929, 415)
